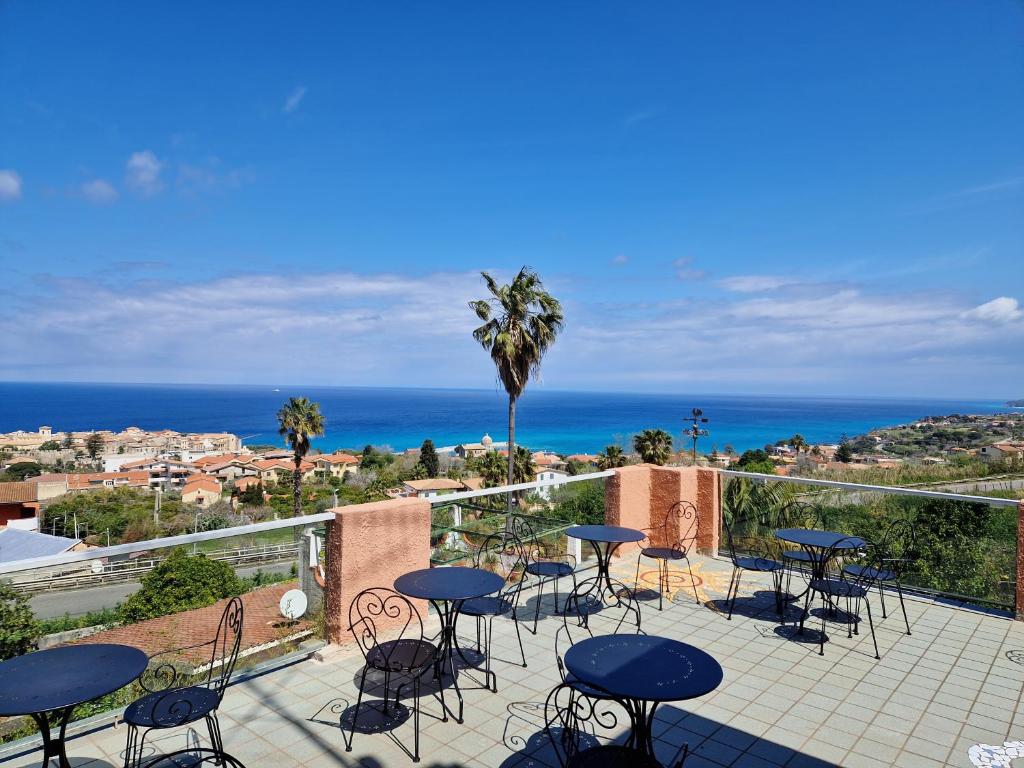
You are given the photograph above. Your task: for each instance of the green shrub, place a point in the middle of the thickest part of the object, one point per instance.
(18, 627)
(180, 583)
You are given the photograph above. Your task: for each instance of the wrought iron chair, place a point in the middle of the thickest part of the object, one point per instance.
(504, 554)
(670, 542)
(897, 549)
(751, 550)
(544, 568)
(834, 585)
(573, 721)
(177, 696)
(389, 632)
(188, 758)
(798, 514)
(592, 610)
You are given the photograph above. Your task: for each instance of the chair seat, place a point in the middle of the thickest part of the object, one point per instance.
(401, 655)
(663, 553)
(493, 605)
(171, 708)
(797, 554)
(548, 568)
(762, 564)
(869, 572)
(611, 756)
(838, 588)
(586, 690)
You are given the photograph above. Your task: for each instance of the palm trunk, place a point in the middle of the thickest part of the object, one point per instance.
(511, 447)
(297, 486)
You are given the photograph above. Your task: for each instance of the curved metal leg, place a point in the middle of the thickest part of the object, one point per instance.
(693, 581)
(416, 719)
(736, 591)
(54, 747)
(540, 596)
(355, 712)
(213, 726)
(871, 624)
(899, 591)
(636, 579)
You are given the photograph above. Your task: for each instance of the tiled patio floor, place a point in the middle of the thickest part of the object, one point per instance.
(951, 685)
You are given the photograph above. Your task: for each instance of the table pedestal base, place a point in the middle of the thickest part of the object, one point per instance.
(54, 747)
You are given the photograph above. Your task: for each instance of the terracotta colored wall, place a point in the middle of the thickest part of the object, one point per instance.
(370, 545)
(641, 496)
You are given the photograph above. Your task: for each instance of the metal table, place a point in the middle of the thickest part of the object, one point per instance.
(447, 589)
(612, 537)
(640, 672)
(48, 685)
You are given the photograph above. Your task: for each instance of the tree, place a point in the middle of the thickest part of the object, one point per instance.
(653, 445)
(374, 460)
(299, 420)
(611, 458)
(253, 494)
(428, 458)
(575, 467)
(180, 583)
(844, 452)
(756, 461)
(22, 469)
(798, 442)
(50, 445)
(68, 441)
(520, 323)
(94, 445)
(18, 627)
(492, 467)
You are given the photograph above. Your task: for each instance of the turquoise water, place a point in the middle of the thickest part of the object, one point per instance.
(565, 422)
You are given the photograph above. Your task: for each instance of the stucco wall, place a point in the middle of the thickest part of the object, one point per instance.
(370, 545)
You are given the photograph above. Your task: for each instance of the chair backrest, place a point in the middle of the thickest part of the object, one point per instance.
(524, 532)
(898, 546)
(677, 530)
(383, 623)
(195, 756)
(593, 609)
(749, 535)
(866, 553)
(504, 554)
(800, 514)
(226, 646)
(571, 718)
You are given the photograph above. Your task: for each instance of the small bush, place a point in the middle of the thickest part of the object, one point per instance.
(180, 583)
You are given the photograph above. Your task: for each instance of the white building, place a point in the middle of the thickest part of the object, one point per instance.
(548, 475)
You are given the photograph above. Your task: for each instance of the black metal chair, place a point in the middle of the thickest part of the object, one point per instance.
(834, 585)
(582, 728)
(751, 549)
(896, 550)
(188, 758)
(669, 542)
(592, 610)
(542, 567)
(389, 632)
(799, 514)
(504, 554)
(177, 695)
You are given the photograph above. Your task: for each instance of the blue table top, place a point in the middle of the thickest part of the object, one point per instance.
(610, 534)
(819, 539)
(62, 677)
(449, 583)
(644, 667)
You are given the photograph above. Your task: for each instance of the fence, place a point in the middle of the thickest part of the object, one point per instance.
(963, 548)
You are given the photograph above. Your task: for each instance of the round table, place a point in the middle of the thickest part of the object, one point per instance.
(641, 672)
(447, 589)
(612, 537)
(48, 685)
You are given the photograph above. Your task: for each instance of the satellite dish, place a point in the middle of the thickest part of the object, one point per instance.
(96, 566)
(293, 604)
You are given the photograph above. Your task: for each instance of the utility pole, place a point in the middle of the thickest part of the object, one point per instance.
(156, 505)
(695, 432)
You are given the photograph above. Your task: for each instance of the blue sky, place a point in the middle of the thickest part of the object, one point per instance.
(818, 198)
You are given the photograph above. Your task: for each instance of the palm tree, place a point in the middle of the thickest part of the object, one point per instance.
(520, 323)
(653, 445)
(798, 443)
(611, 457)
(299, 420)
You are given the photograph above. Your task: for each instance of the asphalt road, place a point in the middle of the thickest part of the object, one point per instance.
(49, 605)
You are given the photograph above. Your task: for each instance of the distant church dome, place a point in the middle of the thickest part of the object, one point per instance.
(486, 441)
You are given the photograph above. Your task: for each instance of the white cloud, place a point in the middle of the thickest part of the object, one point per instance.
(1001, 310)
(1002, 185)
(10, 185)
(620, 259)
(685, 270)
(756, 283)
(294, 99)
(211, 176)
(98, 191)
(142, 173)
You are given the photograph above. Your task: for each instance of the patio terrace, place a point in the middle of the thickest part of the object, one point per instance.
(955, 683)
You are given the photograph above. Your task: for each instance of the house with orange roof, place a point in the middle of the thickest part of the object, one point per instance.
(335, 464)
(201, 490)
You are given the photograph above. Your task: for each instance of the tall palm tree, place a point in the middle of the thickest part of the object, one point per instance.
(798, 442)
(520, 323)
(653, 445)
(611, 457)
(299, 420)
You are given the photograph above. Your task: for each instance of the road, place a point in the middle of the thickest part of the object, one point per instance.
(50, 605)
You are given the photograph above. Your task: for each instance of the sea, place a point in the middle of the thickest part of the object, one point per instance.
(400, 418)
